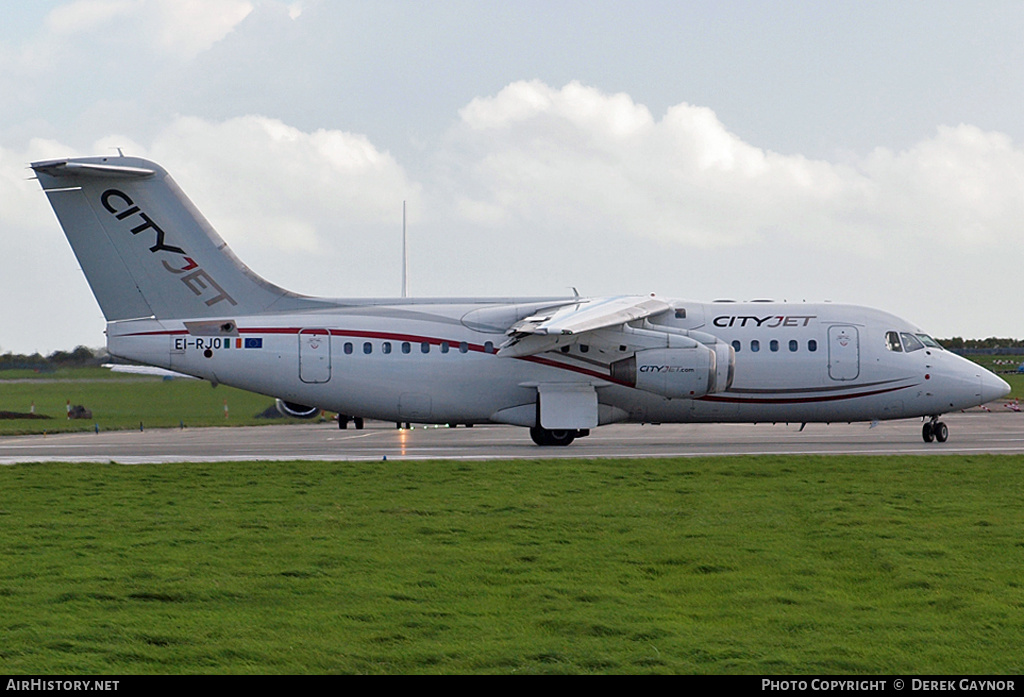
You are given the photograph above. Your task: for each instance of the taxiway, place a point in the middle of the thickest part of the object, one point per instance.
(972, 432)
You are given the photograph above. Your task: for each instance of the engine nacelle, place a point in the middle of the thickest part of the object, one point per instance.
(297, 411)
(676, 373)
(725, 371)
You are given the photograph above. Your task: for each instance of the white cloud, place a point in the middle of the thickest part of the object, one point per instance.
(553, 159)
(279, 187)
(192, 26)
(694, 155)
(586, 108)
(87, 15)
(47, 304)
(537, 188)
(597, 159)
(23, 207)
(187, 27)
(962, 187)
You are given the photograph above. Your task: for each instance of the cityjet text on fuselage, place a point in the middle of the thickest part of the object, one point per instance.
(665, 369)
(196, 279)
(769, 321)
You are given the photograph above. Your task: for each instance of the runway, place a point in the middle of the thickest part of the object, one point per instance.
(976, 431)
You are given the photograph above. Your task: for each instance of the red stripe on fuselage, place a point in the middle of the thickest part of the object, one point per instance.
(480, 348)
(799, 400)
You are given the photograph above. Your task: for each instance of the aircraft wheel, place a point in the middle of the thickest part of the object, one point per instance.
(358, 421)
(544, 436)
(941, 431)
(927, 432)
(342, 421)
(562, 437)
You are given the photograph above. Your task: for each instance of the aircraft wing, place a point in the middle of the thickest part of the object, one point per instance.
(546, 330)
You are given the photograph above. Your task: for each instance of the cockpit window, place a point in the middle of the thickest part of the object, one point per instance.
(929, 342)
(892, 341)
(905, 341)
(911, 342)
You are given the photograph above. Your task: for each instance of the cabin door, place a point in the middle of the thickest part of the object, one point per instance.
(314, 355)
(843, 352)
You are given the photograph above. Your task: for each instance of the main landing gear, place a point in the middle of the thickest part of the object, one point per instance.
(546, 436)
(934, 430)
(343, 420)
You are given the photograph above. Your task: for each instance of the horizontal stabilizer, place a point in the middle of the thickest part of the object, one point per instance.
(147, 370)
(68, 168)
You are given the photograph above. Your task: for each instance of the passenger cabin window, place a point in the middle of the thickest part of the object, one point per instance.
(793, 345)
(367, 347)
(348, 347)
(736, 346)
(773, 345)
(406, 347)
(755, 345)
(812, 345)
(386, 347)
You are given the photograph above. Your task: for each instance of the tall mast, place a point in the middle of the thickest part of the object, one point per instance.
(405, 257)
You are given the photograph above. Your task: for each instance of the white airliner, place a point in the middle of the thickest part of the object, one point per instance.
(175, 297)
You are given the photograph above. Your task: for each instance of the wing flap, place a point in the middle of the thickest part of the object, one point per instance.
(547, 330)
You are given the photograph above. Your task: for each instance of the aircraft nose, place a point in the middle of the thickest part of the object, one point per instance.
(993, 387)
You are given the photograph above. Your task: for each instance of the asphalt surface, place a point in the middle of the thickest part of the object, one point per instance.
(1000, 430)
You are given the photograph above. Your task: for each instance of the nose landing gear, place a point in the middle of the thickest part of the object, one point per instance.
(934, 430)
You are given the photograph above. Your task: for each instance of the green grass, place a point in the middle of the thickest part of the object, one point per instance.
(765, 565)
(61, 374)
(1016, 382)
(119, 401)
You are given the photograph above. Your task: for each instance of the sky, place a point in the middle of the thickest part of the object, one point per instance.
(852, 151)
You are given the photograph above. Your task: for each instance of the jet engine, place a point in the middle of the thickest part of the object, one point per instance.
(297, 411)
(676, 373)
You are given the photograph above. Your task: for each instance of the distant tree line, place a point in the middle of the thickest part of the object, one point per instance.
(80, 357)
(990, 343)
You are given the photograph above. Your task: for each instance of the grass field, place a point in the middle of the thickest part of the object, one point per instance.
(1005, 367)
(119, 401)
(765, 565)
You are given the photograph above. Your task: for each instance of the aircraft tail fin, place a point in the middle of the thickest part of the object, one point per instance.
(144, 247)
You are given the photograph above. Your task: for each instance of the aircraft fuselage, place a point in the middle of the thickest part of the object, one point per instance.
(793, 362)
